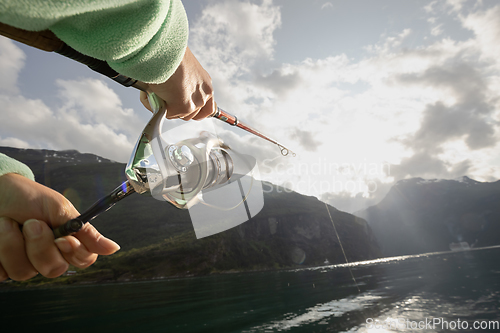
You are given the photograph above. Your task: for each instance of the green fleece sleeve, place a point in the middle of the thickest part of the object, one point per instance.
(10, 165)
(143, 39)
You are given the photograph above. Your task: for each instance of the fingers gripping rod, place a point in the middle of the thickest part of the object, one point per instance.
(47, 41)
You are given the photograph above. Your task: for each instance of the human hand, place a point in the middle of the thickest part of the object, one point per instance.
(38, 208)
(188, 93)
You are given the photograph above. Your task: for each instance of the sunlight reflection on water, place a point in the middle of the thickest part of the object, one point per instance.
(335, 308)
(371, 262)
(422, 308)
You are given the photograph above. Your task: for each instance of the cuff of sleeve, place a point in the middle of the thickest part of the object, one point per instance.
(10, 165)
(159, 59)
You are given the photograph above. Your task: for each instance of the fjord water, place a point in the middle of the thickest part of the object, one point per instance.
(451, 286)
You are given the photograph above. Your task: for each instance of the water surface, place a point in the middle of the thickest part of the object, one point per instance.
(451, 286)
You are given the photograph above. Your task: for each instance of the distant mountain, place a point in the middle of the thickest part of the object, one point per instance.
(419, 215)
(158, 239)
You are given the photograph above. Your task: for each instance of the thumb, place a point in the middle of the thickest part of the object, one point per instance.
(59, 210)
(95, 242)
(22, 199)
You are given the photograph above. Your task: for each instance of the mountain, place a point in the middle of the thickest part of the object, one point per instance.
(419, 216)
(157, 239)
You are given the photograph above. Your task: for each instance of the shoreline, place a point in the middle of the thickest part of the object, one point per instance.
(46, 283)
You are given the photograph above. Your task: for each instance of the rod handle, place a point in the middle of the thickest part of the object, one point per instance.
(43, 40)
(69, 228)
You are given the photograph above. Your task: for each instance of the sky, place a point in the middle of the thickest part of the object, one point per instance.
(366, 93)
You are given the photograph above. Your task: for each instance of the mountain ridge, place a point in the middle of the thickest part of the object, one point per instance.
(426, 215)
(158, 240)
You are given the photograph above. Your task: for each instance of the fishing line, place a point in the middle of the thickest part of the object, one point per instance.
(340, 243)
(245, 197)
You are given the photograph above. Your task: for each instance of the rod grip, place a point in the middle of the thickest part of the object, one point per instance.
(225, 117)
(43, 40)
(69, 228)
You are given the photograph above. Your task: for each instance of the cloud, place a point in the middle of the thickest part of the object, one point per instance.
(450, 6)
(305, 139)
(455, 5)
(353, 202)
(232, 40)
(437, 30)
(469, 117)
(236, 34)
(279, 82)
(426, 165)
(415, 103)
(93, 102)
(429, 8)
(428, 109)
(346, 201)
(14, 142)
(462, 79)
(441, 124)
(457, 84)
(89, 117)
(486, 27)
(42, 127)
(326, 5)
(421, 164)
(13, 59)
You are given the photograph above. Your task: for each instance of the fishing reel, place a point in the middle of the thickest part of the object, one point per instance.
(189, 166)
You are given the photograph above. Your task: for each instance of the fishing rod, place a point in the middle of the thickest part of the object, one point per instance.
(193, 165)
(73, 226)
(47, 41)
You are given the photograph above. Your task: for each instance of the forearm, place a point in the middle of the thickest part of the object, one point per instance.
(10, 165)
(142, 39)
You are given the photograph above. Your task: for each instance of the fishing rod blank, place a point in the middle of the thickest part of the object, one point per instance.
(47, 41)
